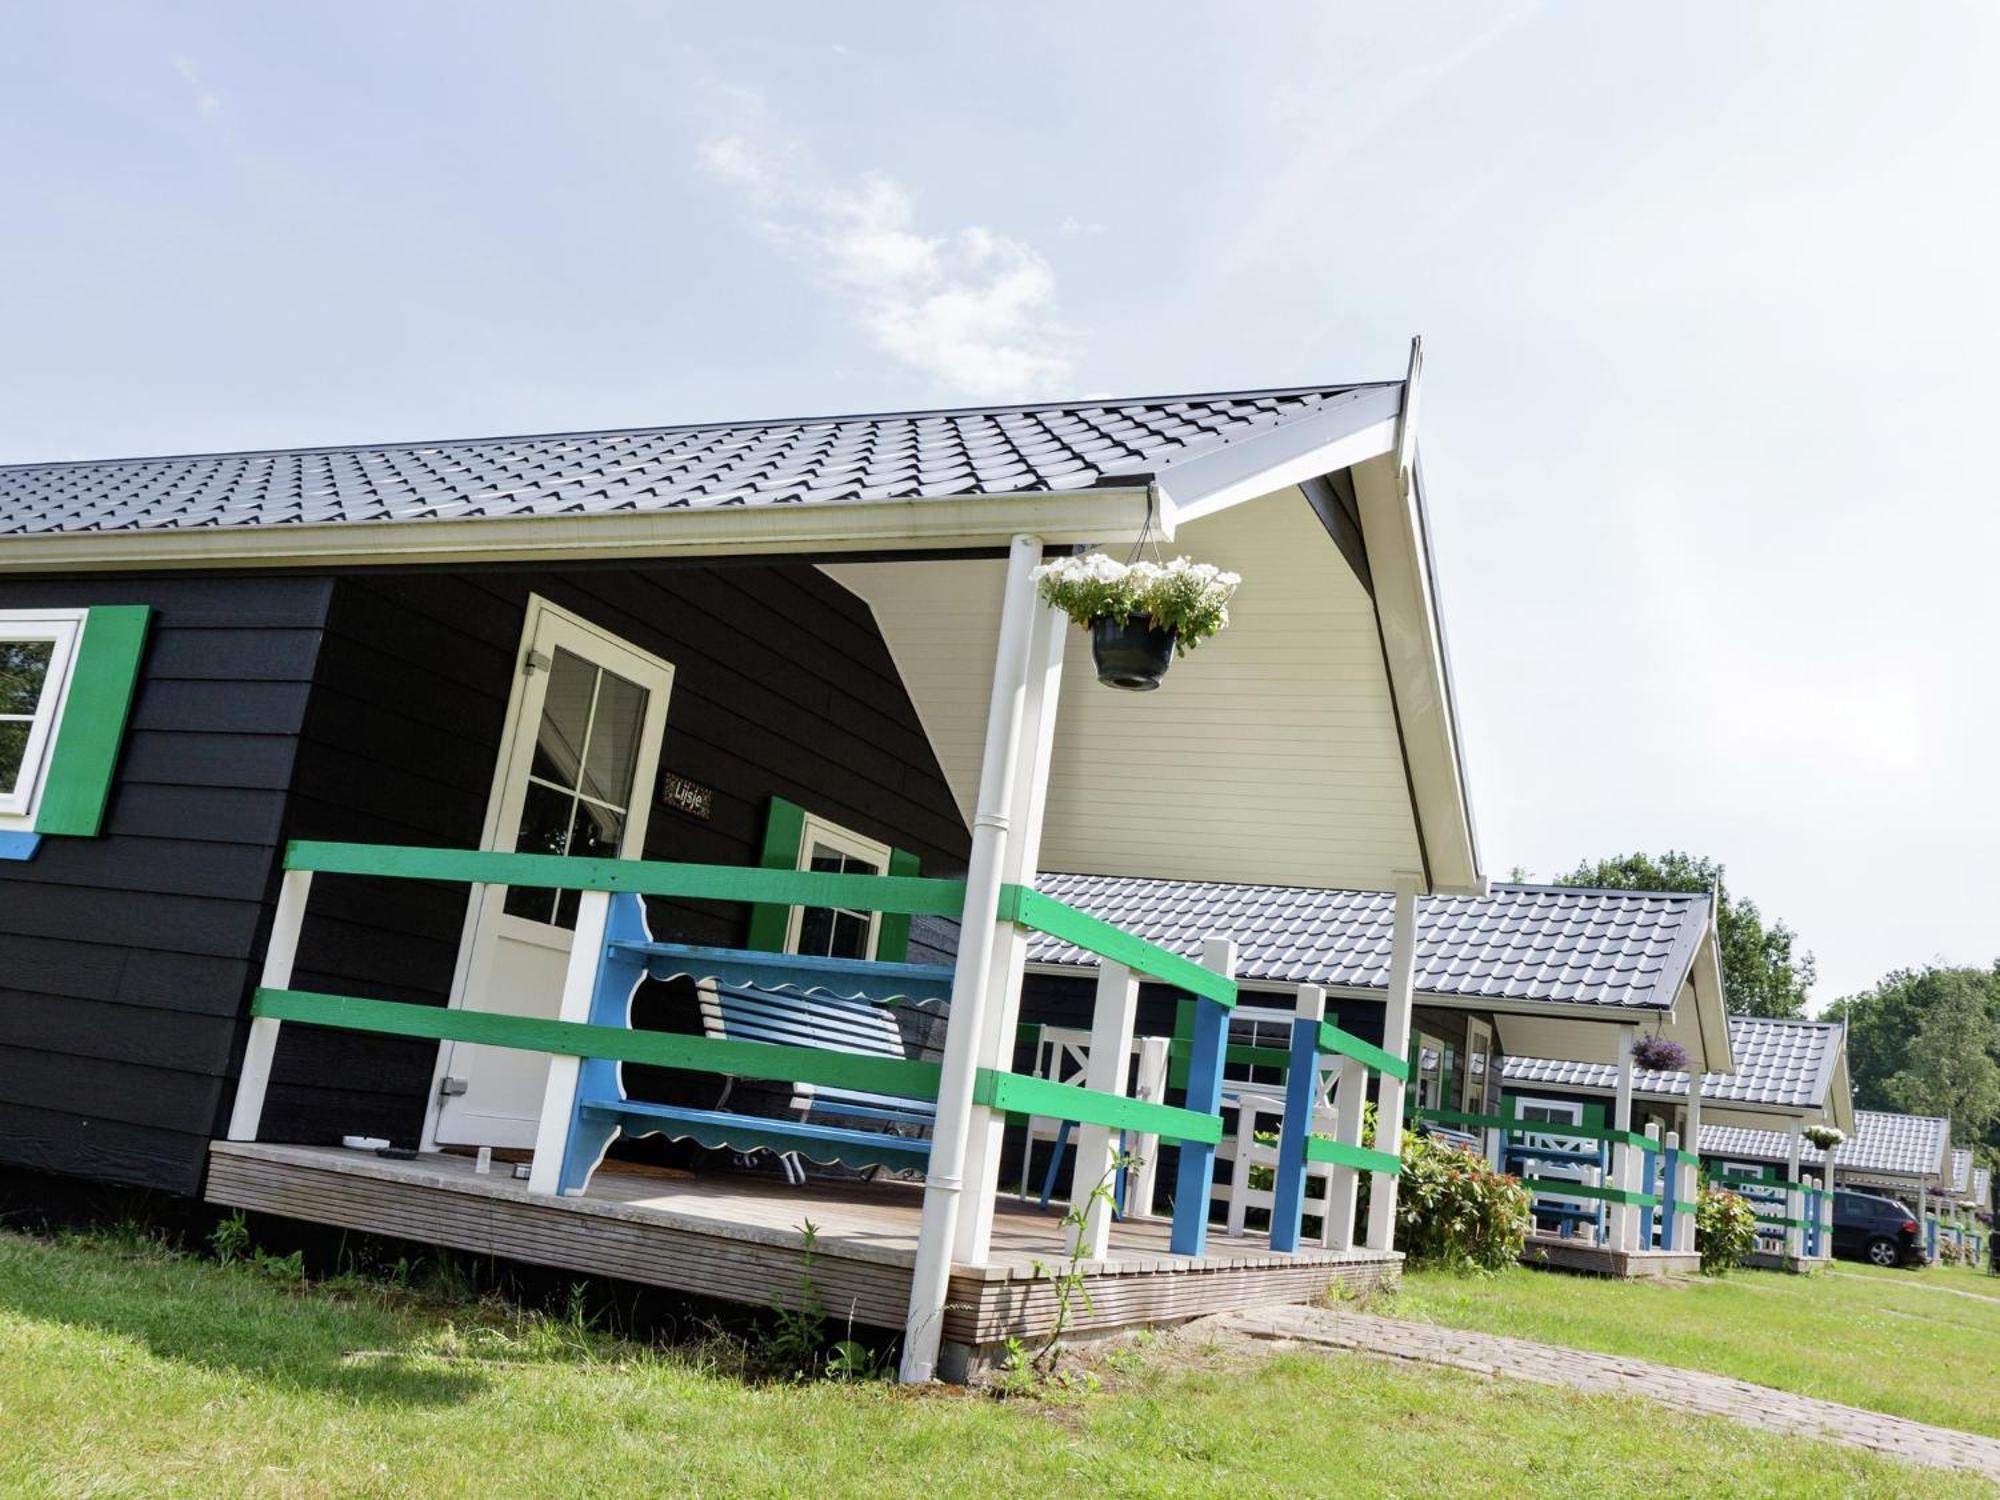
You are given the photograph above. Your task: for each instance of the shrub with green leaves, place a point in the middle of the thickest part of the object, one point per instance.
(1725, 1229)
(1189, 598)
(1454, 1210)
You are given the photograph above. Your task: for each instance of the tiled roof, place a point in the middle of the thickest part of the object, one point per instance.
(1982, 1187)
(1882, 1145)
(1522, 942)
(930, 455)
(1961, 1170)
(1782, 1064)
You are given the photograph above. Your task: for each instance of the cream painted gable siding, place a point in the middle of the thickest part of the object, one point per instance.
(1270, 755)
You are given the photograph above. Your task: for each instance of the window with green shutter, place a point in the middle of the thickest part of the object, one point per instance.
(795, 839)
(66, 682)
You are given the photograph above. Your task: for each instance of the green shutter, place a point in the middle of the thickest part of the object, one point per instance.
(892, 940)
(93, 721)
(784, 826)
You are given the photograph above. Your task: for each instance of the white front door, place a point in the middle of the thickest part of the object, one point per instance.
(577, 765)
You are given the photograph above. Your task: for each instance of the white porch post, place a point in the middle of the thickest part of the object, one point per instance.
(966, 1034)
(1350, 1098)
(1795, 1201)
(1622, 1219)
(1396, 1042)
(1109, 1064)
(1041, 689)
(280, 953)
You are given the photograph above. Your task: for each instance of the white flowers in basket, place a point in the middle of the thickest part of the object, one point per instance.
(1825, 1137)
(1189, 600)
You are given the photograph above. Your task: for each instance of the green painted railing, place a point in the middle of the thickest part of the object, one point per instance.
(907, 895)
(1538, 1127)
(1019, 1094)
(662, 1049)
(1562, 1187)
(1333, 1039)
(897, 894)
(1029, 907)
(1321, 1148)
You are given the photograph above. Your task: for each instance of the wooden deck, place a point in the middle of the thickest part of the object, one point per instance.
(1556, 1252)
(740, 1238)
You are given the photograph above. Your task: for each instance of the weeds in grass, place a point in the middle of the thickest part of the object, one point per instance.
(232, 1243)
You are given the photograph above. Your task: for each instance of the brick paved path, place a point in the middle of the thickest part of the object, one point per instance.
(1611, 1374)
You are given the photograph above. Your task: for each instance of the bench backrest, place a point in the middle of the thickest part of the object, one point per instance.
(829, 1022)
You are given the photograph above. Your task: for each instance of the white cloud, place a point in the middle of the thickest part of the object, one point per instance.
(206, 101)
(969, 307)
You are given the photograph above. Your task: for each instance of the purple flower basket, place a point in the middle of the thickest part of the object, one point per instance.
(1658, 1055)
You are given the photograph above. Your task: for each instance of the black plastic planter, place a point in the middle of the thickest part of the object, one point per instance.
(1133, 656)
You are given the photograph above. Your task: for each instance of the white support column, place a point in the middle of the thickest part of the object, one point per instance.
(1142, 1182)
(1350, 1099)
(586, 953)
(1109, 1063)
(1047, 634)
(1621, 1219)
(1693, 1134)
(1795, 1201)
(1826, 1208)
(1396, 1042)
(980, 934)
(280, 953)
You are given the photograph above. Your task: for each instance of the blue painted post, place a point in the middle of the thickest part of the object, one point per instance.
(599, 1079)
(1648, 1162)
(1288, 1208)
(1195, 1180)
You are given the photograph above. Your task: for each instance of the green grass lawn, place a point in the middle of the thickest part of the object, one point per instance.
(1891, 1341)
(1972, 1279)
(129, 1370)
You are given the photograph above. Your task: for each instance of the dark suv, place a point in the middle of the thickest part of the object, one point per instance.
(1879, 1230)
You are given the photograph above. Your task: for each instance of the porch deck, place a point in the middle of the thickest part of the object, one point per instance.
(1569, 1253)
(738, 1238)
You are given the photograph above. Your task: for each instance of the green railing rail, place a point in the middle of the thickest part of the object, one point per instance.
(1029, 907)
(898, 894)
(1538, 1127)
(1333, 1039)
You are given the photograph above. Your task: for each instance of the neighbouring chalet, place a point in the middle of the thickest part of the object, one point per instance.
(573, 797)
(1906, 1157)
(1790, 1076)
(1524, 970)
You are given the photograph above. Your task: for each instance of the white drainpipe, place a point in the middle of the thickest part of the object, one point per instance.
(944, 1178)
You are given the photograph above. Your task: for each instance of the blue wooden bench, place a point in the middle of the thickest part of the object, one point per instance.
(828, 1004)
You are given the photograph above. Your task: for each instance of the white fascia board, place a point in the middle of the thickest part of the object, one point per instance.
(1711, 1013)
(1413, 648)
(1346, 430)
(1072, 517)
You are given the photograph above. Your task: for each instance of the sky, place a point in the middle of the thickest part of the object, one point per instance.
(1707, 293)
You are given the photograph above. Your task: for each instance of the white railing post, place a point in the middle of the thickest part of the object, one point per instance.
(254, 1078)
(1396, 1042)
(980, 935)
(586, 956)
(1343, 1186)
(1618, 1220)
(1686, 1186)
(1105, 1070)
(1142, 1182)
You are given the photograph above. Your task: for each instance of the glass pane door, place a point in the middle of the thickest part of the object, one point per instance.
(580, 781)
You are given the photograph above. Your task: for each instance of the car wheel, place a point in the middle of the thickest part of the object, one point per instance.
(1884, 1253)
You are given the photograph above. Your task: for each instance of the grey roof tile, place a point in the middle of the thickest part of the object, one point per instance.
(1535, 943)
(1883, 1144)
(813, 461)
(1784, 1064)
(1961, 1169)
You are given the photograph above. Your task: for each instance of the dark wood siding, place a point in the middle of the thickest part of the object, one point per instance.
(125, 959)
(782, 687)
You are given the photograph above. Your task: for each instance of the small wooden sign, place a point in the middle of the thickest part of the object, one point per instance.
(683, 795)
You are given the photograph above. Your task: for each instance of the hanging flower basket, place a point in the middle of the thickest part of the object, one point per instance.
(1825, 1137)
(1140, 615)
(1658, 1055)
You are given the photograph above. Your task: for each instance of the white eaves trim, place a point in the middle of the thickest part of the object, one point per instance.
(1079, 517)
(1345, 431)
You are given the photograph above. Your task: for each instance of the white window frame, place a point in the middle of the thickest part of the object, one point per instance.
(818, 830)
(64, 628)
